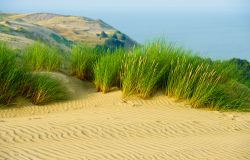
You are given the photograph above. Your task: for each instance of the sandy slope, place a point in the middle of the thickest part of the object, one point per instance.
(98, 126)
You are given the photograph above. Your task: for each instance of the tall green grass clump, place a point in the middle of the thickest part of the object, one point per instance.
(17, 81)
(194, 82)
(41, 57)
(239, 69)
(140, 74)
(164, 54)
(200, 82)
(42, 89)
(231, 95)
(107, 70)
(146, 68)
(11, 75)
(83, 59)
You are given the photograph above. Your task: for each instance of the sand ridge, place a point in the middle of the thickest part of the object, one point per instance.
(103, 126)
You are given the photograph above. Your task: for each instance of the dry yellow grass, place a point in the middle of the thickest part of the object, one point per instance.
(71, 27)
(59, 30)
(15, 41)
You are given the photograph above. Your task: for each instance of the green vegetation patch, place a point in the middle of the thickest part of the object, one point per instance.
(142, 71)
(41, 57)
(140, 74)
(11, 75)
(61, 40)
(6, 29)
(43, 89)
(17, 80)
(83, 59)
(107, 70)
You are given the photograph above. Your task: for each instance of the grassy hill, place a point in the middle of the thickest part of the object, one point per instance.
(21, 29)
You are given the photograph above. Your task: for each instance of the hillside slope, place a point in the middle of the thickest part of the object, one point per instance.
(59, 30)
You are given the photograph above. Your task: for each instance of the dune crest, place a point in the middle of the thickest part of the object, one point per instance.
(103, 126)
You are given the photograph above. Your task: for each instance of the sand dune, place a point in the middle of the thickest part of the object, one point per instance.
(102, 126)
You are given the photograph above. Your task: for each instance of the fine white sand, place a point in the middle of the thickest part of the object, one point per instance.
(103, 126)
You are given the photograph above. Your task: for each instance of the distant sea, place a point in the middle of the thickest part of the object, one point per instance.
(214, 35)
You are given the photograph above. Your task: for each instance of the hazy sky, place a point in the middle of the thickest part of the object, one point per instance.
(81, 6)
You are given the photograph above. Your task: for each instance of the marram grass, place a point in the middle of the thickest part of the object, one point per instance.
(18, 81)
(196, 83)
(140, 71)
(43, 89)
(140, 74)
(82, 61)
(11, 75)
(41, 57)
(200, 82)
(107, 70)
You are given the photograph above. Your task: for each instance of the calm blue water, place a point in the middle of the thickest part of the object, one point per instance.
(219, 36)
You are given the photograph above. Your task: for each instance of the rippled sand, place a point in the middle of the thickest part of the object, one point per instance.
(103, 126)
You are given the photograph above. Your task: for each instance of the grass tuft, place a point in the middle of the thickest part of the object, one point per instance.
(82, 61)
(107, 70)
(43, 89)
(41, 57)
(140, 74)
(11, 75)
(17, 81)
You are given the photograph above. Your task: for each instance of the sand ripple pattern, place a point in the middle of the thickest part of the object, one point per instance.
(106, 127)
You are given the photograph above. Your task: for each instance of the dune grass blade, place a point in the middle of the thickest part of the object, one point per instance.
(231, 95)
(82, 61)
(15, 81)
(107, 71)
(192, 80)
(11, 75)
(43, 89)
(201, 82)
(140, 75)
(41, 57)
